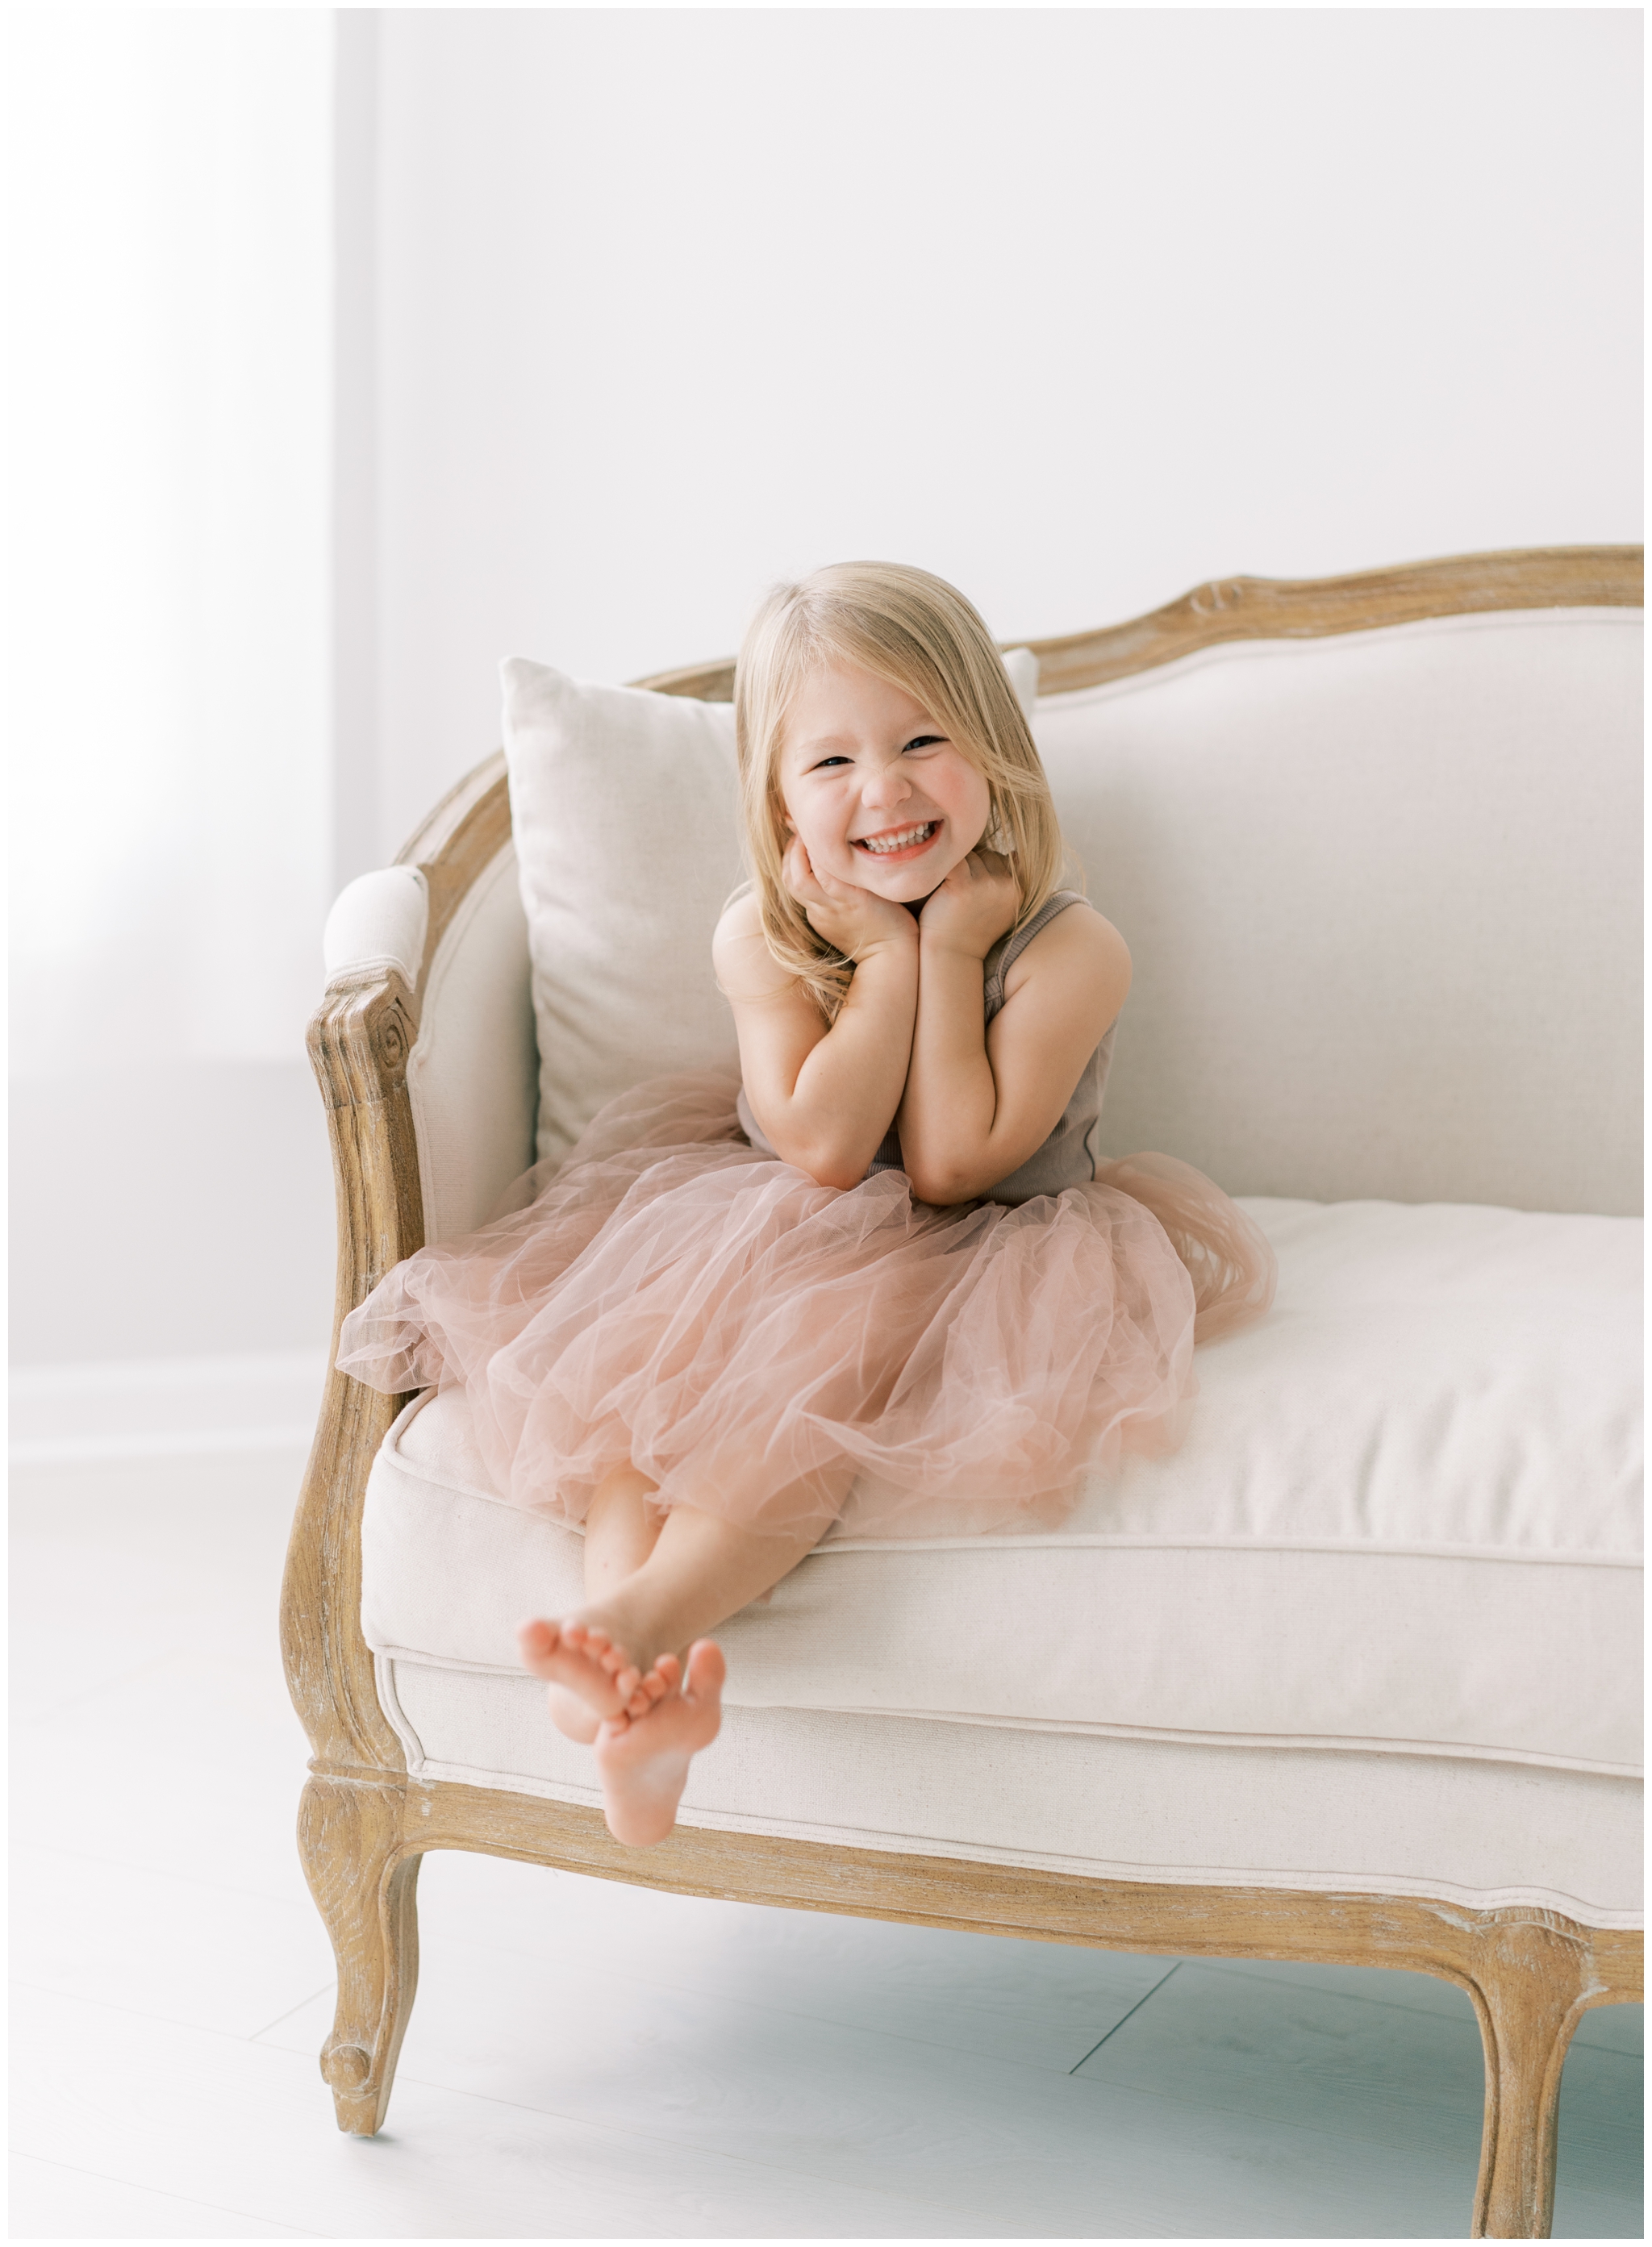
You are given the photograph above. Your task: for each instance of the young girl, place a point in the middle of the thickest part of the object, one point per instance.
(884, 1277)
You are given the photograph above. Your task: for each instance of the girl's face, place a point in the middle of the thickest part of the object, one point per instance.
(879, 794)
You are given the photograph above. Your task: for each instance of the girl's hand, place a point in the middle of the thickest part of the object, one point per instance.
(974, 906)
(852, 920)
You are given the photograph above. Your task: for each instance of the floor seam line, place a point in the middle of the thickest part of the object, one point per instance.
(308, 1999)
(1122, 2018)
(217, 2207)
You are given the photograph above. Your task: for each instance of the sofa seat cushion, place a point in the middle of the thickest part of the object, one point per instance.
(1405, 1522)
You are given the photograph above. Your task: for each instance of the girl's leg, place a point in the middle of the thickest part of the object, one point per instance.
(698, 1570)
(701, 1570)
(620, 1530)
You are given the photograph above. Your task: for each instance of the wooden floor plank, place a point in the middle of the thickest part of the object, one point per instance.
(1613, 2028)
(998, 2145)
(50, 2201)
(152, 1557)
(200, 1762)
(179, 1951)
(249, 2127)
(1037, 2004)
(1281, 2048)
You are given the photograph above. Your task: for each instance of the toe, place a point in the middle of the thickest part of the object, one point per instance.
(536, 1641)
(707, 1668)
(669, 1670)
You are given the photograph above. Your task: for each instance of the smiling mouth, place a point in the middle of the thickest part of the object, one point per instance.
(899, 842)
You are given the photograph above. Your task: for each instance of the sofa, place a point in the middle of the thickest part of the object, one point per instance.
(1353, 1676)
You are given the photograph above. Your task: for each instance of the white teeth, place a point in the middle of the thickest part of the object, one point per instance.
(907, 835)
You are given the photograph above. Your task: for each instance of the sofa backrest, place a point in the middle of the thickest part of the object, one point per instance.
(1382, 890)
(473, 1076)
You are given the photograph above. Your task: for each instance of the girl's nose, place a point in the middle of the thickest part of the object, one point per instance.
(889, 786)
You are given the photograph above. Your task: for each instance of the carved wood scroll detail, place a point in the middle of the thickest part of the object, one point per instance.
(1288, 608)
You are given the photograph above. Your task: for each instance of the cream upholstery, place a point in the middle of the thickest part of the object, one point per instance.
(1383, 891)
(1407, 1517)
(378, 921)
(1379, 1543)
(471, 1076)
(1481, 1834)
(1375, 1626)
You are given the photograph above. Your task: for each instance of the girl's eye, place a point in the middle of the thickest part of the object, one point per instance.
(824, 762)
(925, 741)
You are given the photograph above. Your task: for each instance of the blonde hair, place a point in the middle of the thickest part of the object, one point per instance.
(920, 634)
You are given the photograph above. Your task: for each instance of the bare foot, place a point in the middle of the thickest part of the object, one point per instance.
(644, 1761)
(571, 1716)
(590, 1678)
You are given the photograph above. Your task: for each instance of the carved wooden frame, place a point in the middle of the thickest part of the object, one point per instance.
(365, 1823)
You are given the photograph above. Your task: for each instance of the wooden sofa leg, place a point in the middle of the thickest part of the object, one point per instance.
(350, 1838)
(1533, 1983)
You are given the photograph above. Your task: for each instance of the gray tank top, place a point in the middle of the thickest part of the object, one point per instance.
(1068, 1157)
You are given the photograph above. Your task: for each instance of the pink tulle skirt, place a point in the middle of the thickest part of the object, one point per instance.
(757, 1345)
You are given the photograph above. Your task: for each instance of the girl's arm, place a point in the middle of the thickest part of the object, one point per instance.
(978, 1103)
(825, 1097)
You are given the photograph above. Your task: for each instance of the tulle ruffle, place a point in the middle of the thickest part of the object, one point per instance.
(757, 1344)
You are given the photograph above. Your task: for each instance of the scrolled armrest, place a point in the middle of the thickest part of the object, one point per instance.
(378, 921)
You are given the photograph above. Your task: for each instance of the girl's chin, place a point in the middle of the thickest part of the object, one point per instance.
(910, 884)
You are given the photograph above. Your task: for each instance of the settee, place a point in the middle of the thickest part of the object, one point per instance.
(1351, 1676)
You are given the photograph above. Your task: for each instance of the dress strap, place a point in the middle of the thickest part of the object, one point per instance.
(1009, 948)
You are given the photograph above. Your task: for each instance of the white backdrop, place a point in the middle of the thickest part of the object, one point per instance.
(578, 326)
(167, 694)
(1075, 306)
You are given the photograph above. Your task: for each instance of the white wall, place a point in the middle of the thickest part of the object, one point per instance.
(1075, 307)
(616, 316)
(168, 697)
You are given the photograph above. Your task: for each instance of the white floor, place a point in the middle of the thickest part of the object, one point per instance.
(586, 2059)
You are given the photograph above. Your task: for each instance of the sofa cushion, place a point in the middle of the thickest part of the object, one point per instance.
(1405, 1520)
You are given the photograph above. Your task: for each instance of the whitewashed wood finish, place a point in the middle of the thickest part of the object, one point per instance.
(77, 1935)
(50, 2201)
(235, 2117)
(363, 1828)
(1294, 608)
(1008, 2152)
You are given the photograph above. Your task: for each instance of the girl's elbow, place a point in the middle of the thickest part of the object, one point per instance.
(827, 1163)
(839, 1176)
(942, 1184)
